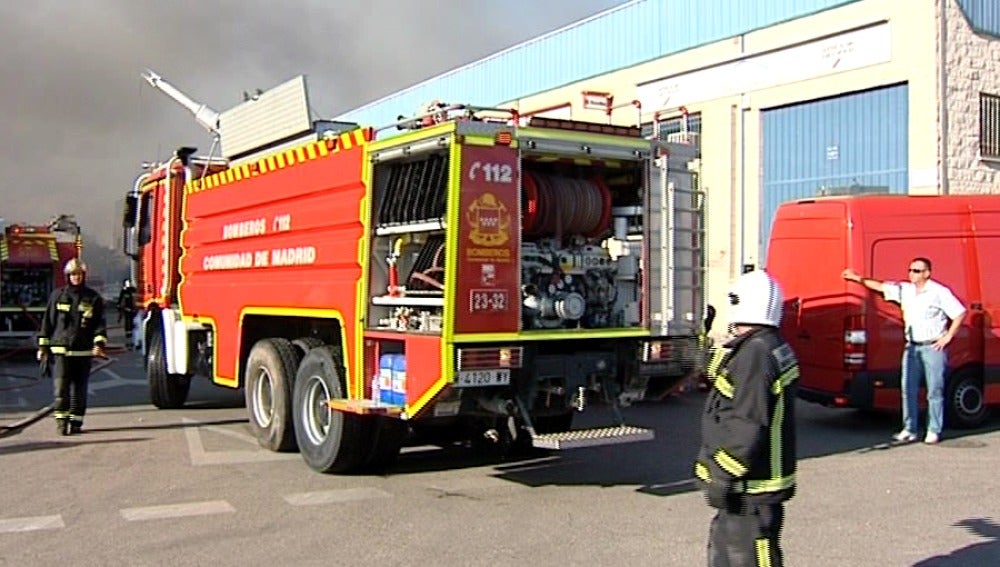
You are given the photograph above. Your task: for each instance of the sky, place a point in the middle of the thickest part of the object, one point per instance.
(79, 120)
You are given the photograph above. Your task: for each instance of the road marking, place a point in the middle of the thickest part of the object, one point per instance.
(177, 510)
(117, 381)
(335, 496)
(11, 525)
(201, 457)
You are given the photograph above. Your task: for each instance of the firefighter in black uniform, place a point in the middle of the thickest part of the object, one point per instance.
(746, 465)
(126, 310)
(73, 331)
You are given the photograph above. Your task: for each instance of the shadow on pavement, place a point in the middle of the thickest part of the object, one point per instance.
(47, 445)
(982, 553)
(176, 425)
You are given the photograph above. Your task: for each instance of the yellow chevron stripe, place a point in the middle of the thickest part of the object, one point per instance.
(287, 158)
(53, 252)
(4, 250)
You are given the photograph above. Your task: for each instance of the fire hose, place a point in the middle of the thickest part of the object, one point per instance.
(44, 371)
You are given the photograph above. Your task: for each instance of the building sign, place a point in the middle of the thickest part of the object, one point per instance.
(845, 52)
(487, 292)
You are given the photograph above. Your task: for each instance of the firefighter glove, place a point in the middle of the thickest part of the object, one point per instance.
(42, 353)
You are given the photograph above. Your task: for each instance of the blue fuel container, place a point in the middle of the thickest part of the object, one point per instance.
(399, 380)
(385, 369)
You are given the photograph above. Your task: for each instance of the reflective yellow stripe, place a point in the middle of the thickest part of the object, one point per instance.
(43, 341)
(701, 471)
(64, 351)
(776, 446)
(729, 463)
(785, 379)
(62, 414)
(716, 361)
(62, 306)
(100, 339)
(763, 546)
(765, 486)
(724, 386)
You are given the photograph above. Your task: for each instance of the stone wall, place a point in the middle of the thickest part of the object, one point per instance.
(973, 63)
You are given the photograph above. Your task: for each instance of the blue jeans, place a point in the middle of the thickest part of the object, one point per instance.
(923, 361)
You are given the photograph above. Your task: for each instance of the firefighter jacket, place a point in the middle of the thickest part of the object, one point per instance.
(748, 427)
(74, 321)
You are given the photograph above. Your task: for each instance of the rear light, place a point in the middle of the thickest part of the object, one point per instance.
(855, 343)
(503, 138)
(490, 357)
(657, 350)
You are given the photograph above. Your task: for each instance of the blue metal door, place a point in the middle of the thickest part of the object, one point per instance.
(854, 143)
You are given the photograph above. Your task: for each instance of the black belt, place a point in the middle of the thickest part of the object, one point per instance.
(921, 343)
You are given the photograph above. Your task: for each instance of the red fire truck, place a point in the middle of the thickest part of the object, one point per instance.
(31, 260)
(464, 272)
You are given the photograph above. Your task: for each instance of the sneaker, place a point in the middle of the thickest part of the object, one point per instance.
(904, 436)
(932, 438)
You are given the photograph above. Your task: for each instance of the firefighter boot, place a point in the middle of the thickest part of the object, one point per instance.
(75, 426)
(62, 426)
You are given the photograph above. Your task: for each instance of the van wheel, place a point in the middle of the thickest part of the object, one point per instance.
(270, 372)
(965, 402)
(329, 440)
(166, 391)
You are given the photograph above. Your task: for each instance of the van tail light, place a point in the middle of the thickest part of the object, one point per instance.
(855, 343)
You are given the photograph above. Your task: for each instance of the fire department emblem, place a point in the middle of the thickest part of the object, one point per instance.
(490, 221)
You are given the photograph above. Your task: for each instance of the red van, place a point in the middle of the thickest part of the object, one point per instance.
(850, 340)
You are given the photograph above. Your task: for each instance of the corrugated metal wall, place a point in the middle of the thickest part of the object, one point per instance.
(845, 144)
(983, 15)
(638, 31)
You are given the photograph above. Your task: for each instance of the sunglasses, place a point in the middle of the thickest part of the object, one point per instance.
(917, 271)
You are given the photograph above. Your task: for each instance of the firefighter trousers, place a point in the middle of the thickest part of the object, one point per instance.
(748, 539)
(71, 376)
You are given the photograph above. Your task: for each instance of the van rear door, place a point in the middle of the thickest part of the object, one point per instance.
(807, 253)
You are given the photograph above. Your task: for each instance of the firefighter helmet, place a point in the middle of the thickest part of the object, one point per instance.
(755, 299)
(75, 266)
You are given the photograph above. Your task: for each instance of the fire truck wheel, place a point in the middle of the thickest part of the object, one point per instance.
(329, 441)
(166, 391)
(268, 382)
(306, 344)
(965, 401)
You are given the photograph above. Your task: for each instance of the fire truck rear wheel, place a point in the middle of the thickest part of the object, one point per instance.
(166, 391)
(306, 344)
(270, 373)
(329, 440)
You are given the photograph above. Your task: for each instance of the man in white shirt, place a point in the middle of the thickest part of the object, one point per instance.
(928, 306)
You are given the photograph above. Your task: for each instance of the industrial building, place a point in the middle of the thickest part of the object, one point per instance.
(786, 98)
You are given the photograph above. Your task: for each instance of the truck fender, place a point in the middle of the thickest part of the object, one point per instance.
(174, 341)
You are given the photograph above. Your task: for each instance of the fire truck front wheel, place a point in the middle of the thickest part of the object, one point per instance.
(166, 391)
(270, 372)
(329, 441)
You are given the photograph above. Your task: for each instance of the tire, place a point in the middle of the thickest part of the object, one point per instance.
(166, 391)
(306, 344)
(329, 441)
(965, 401)
(268, 380)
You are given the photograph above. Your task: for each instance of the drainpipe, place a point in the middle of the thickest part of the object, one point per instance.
(943, 95)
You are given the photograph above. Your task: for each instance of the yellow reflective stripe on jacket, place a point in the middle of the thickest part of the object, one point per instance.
(100, 339)
(765, 486)
(66, 352)
(43, 341)
(776, 439)
(701, 472)
(785, 379)
(724, 386)
(729, 463)
(716, 361)
(63, 306)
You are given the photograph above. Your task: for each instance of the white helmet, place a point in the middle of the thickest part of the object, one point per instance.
(75, 266)
(755, 299)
